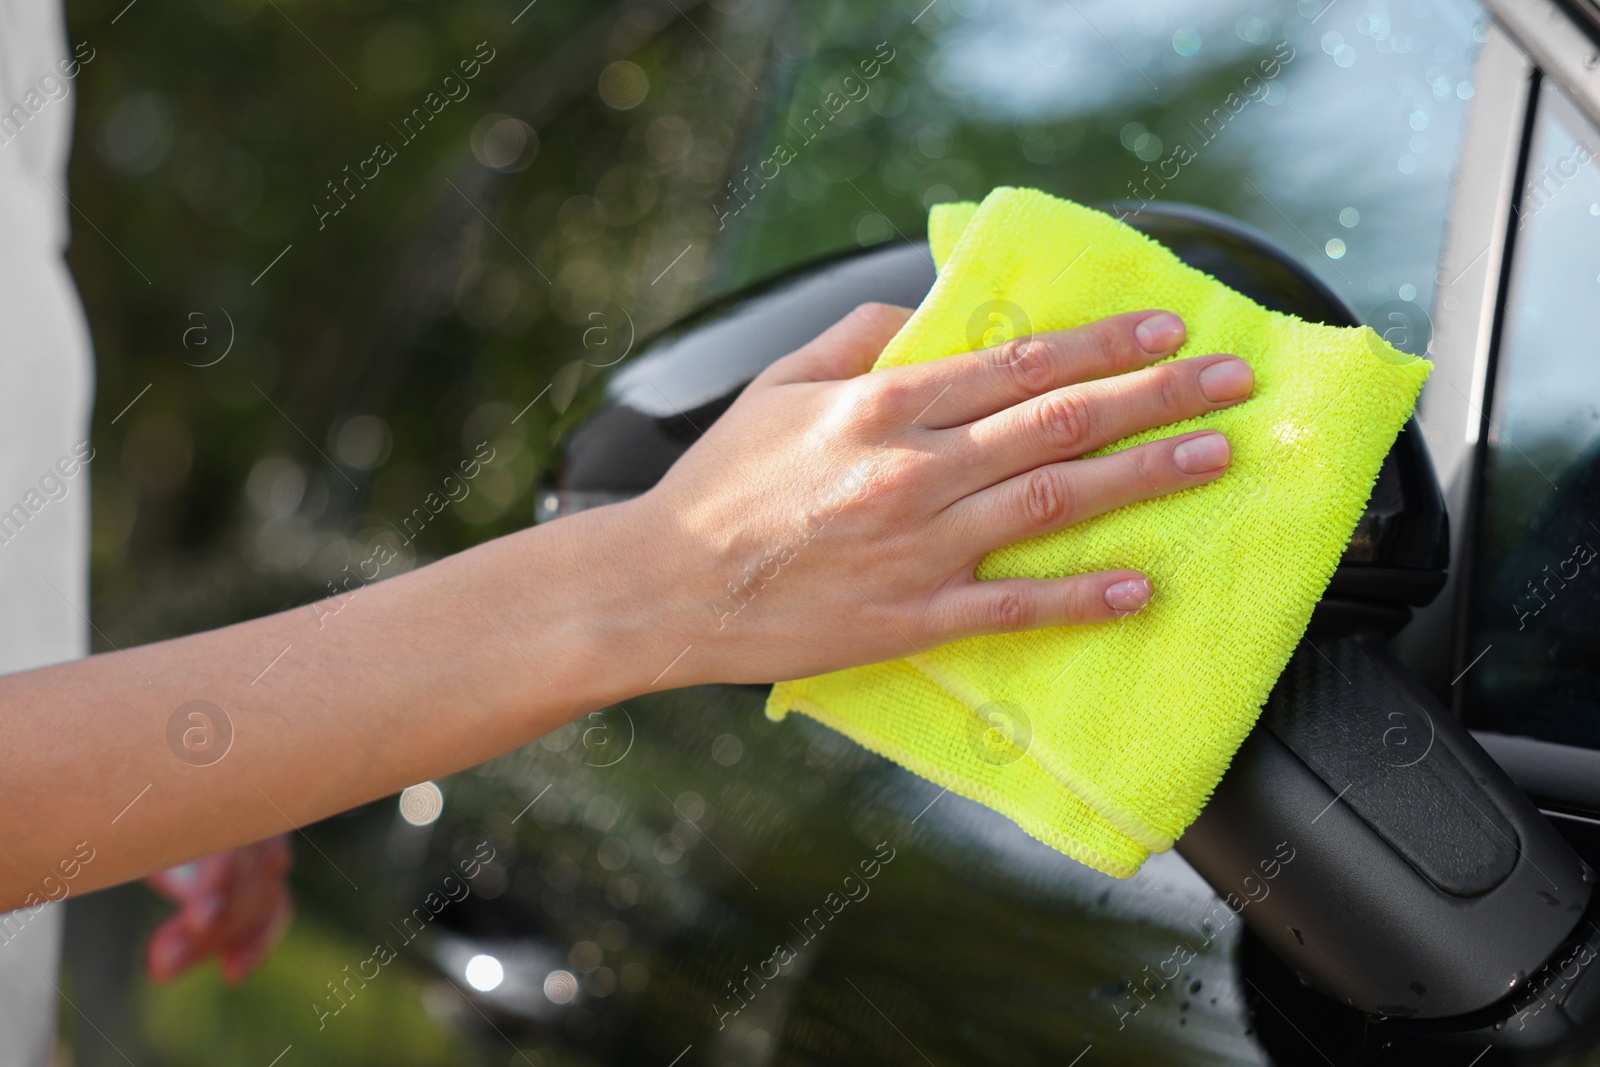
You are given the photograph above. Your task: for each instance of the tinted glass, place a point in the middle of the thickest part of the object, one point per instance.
(1331, 128)
(648, 861)
(1536, 597)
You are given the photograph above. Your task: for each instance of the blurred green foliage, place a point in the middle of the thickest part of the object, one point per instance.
(477, 289)
(199, 1020)
(432, 309)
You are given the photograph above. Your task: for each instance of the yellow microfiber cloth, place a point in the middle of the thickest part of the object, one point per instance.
(1105, 741)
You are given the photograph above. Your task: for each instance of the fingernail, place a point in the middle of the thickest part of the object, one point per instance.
(1226, 379)
(1160, 334)
(1200, 454)
(1129, 595)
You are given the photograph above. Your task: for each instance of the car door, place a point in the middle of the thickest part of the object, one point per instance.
(663, 859)
(1513, 415)
(641, 878)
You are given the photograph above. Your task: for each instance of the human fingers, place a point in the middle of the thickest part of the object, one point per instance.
(182, 940)
(176, 884)
(255, 892)
(1008, 605)
(247, 953)
(1058, 495)
(963, 388)
(847, 348)
(1070, 422)
(177, 945)
(230, 898)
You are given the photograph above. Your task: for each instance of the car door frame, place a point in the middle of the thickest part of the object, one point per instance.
(1530, 47)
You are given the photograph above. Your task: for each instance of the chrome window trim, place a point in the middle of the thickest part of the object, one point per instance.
(1528, 40)
(1468, 280)
(1466, 299)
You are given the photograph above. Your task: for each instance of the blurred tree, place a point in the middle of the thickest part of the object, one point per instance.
(325, 262)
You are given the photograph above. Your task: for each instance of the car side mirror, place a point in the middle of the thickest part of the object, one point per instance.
(1423, 885)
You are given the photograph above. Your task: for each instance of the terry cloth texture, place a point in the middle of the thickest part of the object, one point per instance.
(1105, 741)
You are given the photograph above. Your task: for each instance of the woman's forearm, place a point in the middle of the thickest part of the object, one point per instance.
(330, 705)
(828, 519)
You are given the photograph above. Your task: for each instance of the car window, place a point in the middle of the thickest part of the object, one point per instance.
(636, 872)
(1535, 612)
(1332, 128)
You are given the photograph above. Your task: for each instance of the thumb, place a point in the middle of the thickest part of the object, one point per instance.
(847, 348)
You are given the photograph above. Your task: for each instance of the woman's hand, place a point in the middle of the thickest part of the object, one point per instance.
(233, 905)
(832, 518)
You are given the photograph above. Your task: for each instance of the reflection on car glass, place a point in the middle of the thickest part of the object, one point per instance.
(482, 290)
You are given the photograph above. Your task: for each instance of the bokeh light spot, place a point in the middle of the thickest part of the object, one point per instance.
(484, 973)
(362, 441)
(727, 750)
(623, 85)
(504, 143)
(421, 804)
(560, 987)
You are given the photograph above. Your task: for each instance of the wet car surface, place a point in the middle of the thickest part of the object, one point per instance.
(679, 880)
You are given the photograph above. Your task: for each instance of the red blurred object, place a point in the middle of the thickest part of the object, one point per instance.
(234, 906)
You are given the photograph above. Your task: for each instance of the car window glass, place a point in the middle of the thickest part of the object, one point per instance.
(1536, 599)
(1332, 129)
(634, 874)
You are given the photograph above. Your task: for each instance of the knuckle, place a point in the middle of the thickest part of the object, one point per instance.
(1104, 347)
(888, 395)
(1174, 391)
(1114, 336)
(1063, 420)
(1008, 611)
(1047, 498)
(1028, 360)
(871, 311)
(1006, 352)
(1084, 602)
(876, 319)
(867, 399)
(1145, 467)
